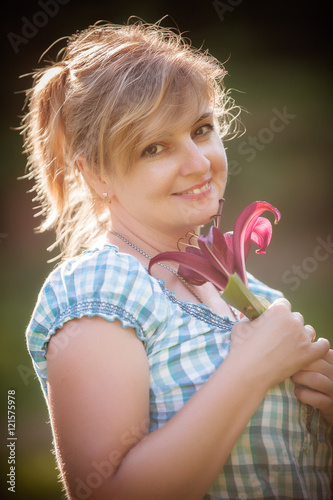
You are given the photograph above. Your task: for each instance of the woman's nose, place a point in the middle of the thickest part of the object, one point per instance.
(193, 160)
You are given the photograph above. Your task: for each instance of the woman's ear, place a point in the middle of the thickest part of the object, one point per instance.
(95, 181)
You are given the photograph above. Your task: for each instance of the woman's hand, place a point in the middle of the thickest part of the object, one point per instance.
(277, 344)
(315, 385)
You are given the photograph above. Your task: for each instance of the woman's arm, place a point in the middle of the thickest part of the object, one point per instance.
(99, 400)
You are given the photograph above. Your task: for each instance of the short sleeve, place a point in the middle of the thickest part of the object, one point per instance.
(102, 283)
(262, 290)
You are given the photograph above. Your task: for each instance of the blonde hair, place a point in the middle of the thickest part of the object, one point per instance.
(95, 101)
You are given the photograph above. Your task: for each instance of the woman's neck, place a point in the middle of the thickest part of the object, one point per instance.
(152, 241)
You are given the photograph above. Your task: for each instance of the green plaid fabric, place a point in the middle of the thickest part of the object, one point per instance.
(285, 450)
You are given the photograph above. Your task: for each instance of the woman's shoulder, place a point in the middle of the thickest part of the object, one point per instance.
(100, 282)
(97, 278)
(96, 270)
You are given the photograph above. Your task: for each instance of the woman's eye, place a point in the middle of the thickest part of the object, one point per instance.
(152, 150)
(203, 129)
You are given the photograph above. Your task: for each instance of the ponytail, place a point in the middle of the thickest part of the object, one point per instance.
(65, 201)
(44, 132)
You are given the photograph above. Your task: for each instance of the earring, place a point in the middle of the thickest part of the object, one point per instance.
(106, 198)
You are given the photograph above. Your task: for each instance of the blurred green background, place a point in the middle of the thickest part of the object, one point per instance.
(278, 58)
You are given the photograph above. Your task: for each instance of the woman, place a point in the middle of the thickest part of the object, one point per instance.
(155, 388)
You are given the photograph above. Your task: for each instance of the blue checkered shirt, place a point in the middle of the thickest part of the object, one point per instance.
(284, 451)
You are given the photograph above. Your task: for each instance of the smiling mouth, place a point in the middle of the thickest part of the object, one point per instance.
(197, 190)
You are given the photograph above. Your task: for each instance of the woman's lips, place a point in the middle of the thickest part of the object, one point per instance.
(199, 189)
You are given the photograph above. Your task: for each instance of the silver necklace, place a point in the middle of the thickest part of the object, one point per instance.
(138, 249)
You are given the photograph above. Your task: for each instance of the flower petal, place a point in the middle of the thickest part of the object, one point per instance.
(196, 265)
(244, 226)
(261, 234)
(191, 276)
(228, 238)
(216, 251)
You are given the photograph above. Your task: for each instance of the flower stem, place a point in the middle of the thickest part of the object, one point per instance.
(237, 295)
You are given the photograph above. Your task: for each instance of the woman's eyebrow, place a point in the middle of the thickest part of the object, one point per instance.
(168, 133)
(203, 117)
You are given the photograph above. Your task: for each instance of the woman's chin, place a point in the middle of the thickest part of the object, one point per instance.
(198, 214)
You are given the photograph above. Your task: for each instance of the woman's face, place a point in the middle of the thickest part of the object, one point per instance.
(176, 181)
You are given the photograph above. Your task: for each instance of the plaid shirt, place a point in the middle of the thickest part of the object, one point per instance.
(284, 452)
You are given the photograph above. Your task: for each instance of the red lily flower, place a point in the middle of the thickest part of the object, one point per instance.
(219, 256)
